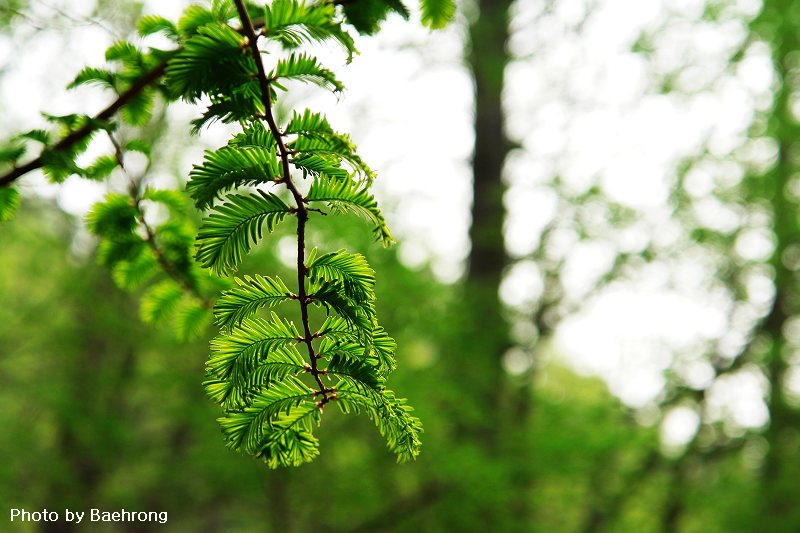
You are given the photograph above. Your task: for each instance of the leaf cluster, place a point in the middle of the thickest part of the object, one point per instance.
(155, 259)
(272, 394)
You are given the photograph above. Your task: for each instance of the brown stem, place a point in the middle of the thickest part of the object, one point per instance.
(302, 210)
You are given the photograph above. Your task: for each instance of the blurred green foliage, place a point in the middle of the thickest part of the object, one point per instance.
(101, 410)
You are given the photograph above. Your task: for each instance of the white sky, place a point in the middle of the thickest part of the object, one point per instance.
(581, 106)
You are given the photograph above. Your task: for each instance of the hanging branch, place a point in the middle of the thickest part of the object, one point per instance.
(271, 395)
(300, 210)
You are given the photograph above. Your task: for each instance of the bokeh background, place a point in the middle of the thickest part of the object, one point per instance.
(595, 291)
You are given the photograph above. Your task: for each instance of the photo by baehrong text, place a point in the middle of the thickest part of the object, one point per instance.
(93, 515)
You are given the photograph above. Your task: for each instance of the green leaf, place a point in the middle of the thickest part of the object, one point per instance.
(352, 270)
(58, 165)
(245, 430)
(138, 145)
(391, 415)
(234, 227)
(324, 154)
(436, 14)
(236, 393)
(235, 355)
(317, 165)
(193, 18)
(9, 201)
(41, 136)
(113, 217)
(290, 441)
(191, 319)
(231, 167)
(102, 167)
(321, 150)
(213, 61)
(174, 200)
(175, 238)
(277, 428)
(241, 104)
(160, 301)
(244, 301)
(308, 123)
(302, 67)
(376, 348)
(293, 23)
(345, 196)
(70, 121)
(93, 76)
(139, 109)
(331, 294)
(119, 248)
(125, 52)
(382, 348)
(11, 152)
(150, 24)
(256, 134)
(355, 369)
(367, 15)
(134, 273)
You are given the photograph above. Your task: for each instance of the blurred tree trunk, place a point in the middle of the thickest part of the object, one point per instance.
(674, 506)
(492, 415)
(780, 512)
(486, 329)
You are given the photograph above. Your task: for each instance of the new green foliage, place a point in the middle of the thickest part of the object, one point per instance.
(235, 226)
(293, 24)
(273, 378)
(351, 270)
(437, 13)
(150, 24)
(210, 62)
(350, 196)
(305, 68)
(229, 167)
(9, 200)
(251, 295)
(272, 396)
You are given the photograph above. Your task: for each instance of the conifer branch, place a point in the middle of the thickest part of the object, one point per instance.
(255, 367)
(186, 284)
(302, 211)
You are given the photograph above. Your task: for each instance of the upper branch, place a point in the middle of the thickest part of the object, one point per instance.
(81, 133)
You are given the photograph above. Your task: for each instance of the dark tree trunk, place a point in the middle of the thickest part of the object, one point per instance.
(490, 413)
(779, 511)
(484, 332)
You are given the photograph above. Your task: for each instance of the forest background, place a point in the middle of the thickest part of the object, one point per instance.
(594, 292)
